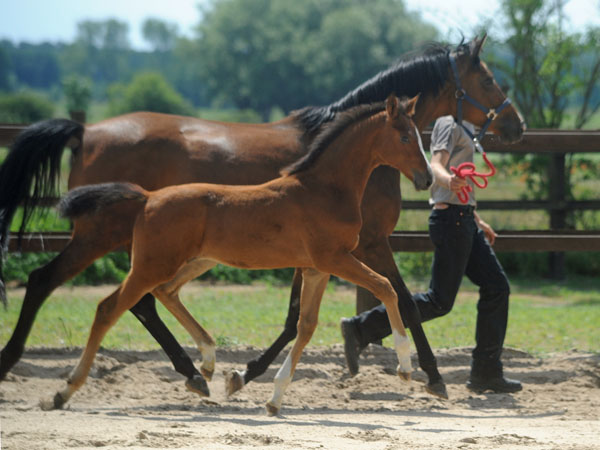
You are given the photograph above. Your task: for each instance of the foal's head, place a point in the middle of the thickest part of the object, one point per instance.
(399, 144)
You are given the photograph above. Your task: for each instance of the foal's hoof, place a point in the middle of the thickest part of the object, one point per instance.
(272, 410)
(197, 384)
(207, 374)
(57, 402)
(404, 375)
(438, 389)
(233, 382)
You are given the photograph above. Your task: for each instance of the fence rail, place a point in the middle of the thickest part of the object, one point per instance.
(400, 241)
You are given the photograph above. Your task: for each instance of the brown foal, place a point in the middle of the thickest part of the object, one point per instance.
(310, 217)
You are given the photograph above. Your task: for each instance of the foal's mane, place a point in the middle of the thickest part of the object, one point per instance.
(423, 71)
(332, 130)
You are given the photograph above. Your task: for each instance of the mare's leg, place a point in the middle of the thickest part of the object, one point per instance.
(351, 269)
(145, 312)
(168, 293)
(235, 380)
(378, 256)
(313, 286)
(108, 312)
(79, 253)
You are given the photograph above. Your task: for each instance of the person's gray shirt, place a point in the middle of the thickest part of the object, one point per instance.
(449, 136)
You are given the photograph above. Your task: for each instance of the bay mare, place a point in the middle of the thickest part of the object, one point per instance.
(156, 150)
(309, 218)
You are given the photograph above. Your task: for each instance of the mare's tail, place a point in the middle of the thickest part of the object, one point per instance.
(31, 173)
(95, 198)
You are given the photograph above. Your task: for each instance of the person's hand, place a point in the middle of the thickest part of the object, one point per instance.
(455, 184)
(489, 232)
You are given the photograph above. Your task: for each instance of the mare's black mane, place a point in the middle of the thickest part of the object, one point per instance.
(424, 71)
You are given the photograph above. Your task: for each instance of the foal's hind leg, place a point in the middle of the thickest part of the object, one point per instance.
(107, 313)
(313, 286)
(168, 294)
(236, 380)
(145, 312)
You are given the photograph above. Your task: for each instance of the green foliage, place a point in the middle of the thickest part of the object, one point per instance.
(160, 34)
(230, 115)
(109, 269)
(268, 53)
(5, 70)
(24, 107)
(78, 93)
(147, 92)
(551, 73)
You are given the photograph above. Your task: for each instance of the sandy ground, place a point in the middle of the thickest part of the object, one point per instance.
(135, 400)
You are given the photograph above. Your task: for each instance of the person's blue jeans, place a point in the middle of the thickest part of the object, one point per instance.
(460, 249)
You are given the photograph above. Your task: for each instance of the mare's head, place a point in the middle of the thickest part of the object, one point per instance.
(399, 143)
(477, 93)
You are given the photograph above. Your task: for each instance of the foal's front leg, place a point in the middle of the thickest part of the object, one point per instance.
(314, 283)
(351, 269)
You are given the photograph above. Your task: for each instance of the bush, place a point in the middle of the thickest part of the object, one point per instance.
(78, 93)
(24, 107)
(147, 92)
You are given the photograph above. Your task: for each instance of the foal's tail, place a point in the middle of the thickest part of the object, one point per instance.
(94, 198)
(31, 172)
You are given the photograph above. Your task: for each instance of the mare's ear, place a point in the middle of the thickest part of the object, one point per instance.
(411, 105)
(476, 45)
(391, 106)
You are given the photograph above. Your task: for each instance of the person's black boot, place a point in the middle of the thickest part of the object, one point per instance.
(488, 376)
(352, 347)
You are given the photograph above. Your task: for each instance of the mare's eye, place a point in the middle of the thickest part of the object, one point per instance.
(488, 82)
(405, 139)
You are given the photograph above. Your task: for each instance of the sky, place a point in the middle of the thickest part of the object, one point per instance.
(38, 21)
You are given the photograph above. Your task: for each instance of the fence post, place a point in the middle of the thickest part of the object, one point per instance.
(78, 116)
(558, 211)
(365, 300)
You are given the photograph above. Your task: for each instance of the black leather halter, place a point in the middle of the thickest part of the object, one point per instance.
(461, 95)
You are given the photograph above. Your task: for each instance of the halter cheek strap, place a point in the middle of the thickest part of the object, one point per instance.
(461, 95)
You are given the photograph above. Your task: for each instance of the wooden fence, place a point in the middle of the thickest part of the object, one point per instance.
(556, 239)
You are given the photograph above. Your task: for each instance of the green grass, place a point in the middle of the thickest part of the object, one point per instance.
(544, 316)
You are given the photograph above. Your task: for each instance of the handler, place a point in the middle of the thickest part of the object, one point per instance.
(462, 247)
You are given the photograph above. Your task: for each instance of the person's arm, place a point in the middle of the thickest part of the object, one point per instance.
(443, 178)
(489, 232)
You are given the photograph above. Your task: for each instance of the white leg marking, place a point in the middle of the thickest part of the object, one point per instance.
(282, 381)
(402, 346)
(209, 357)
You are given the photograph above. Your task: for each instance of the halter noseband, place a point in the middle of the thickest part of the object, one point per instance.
(461, 95)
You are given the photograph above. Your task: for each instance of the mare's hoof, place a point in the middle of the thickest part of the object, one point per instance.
(438, 389)
(207, 374)
(233, 382)
(52, 403)
(272, 410)
(197, 384)
(404, 375)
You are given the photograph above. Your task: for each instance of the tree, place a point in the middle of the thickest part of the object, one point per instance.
(549, 69)
(277, 53)
(147, 92)
(78, 93)
(5, 69)
(99, 52)
(160, 34)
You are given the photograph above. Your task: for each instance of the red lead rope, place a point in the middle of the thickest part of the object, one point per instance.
(467, 170)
